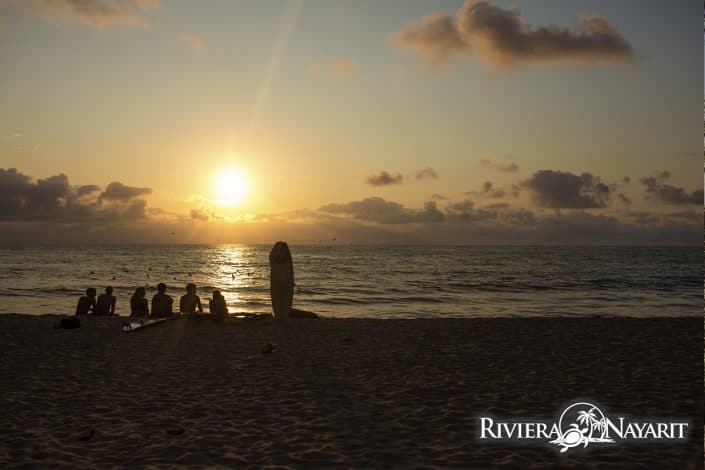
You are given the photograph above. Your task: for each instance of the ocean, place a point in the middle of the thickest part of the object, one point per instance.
(372, 282)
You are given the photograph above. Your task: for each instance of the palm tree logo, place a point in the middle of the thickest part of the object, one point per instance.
(589, 425)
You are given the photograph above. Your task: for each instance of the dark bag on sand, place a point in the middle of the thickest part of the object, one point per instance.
(69, 323)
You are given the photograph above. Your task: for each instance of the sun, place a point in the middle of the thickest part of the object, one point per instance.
(230, 187)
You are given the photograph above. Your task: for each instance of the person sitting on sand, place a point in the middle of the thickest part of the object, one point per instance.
(217, 306)
(105, 305)
(162, 304)
(190, 301)
(86, 303)
(138, 304)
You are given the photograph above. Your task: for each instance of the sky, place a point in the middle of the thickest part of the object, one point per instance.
(451, 122)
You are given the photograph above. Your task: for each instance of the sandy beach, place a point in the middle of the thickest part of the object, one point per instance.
(338, 392)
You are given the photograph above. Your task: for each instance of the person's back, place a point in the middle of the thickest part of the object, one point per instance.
(86, 303)
(161, 303)
(190, 301)
(105, 305)
(217, 306)
(138, 304)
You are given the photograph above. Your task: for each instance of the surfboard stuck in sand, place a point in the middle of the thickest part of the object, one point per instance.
(281, 280)
(139, 324)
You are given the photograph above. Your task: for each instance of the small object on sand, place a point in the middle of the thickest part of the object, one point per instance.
(174, 431)
(113, 278)
(269, 348)
(86, 435)
(92, 272)
(68, 323)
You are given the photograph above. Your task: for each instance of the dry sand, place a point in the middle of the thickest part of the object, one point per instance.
(356, 393)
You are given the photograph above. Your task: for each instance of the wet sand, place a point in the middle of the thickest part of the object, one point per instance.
(338, 392)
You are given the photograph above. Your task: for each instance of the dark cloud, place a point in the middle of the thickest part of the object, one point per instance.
(95, 13)
(54, 199)
(501, 39)
(116, 191)
(657, 189)
(427, 173)
(624, 199)
(87, 189)
(564, 190)
(384, 179)
(507, 168)
(487, 191)
(466, 212)
(376, 209)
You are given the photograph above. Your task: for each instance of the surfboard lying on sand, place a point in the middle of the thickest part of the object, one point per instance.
(139, 324)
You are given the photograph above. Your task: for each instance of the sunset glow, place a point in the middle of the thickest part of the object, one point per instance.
(230, 188)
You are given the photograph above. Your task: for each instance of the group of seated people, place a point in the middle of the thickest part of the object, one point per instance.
(162, 304)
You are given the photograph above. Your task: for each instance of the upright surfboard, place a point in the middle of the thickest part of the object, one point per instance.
(281, 280)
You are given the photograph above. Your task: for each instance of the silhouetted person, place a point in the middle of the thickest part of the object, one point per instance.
(138, 303)
(105, 305)
(190, 302)
(281, 280)
(162, 304)
(86, 303)
(217, 306)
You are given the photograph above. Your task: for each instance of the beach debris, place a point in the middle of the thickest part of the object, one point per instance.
(269, 348)
(174, 431)
(86, 435)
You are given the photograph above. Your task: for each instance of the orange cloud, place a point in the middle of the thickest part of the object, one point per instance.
(98, 14)
(197, 43)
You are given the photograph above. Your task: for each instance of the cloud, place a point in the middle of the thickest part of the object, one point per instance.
(427, 173)
(435, 37)
(465, 212)
(507, 168)
(199, 214)
(87, 189)
(196, 43)
(117, 191)
(501, 39)
(335, 66)
(99, 14)
(384, 179)
(343, 67)
(657, 189)
(564, 190)
(376, 209)
(487, 191)
(55, 199)
(624, 199)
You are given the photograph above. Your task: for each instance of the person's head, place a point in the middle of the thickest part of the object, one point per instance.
(217, 294)
(109, 290)
(90, 292)
(140, 292)
(191, 288)
(161, 287)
